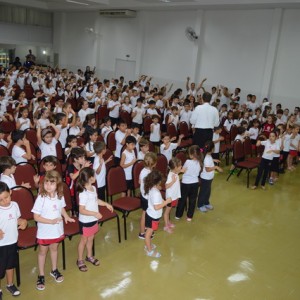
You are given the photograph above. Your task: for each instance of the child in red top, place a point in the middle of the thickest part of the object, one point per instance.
(269, 126)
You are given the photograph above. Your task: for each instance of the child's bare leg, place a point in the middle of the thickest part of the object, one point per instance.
(167, 215)
(9, 276)
(81, 247)
(43, 250)
(89, 246)
(148, 238)
(142, 222)
(54, 255)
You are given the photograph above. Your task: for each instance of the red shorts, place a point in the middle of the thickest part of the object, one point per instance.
(151, 223)
(173, 203)
(47, 242)
(293, 153)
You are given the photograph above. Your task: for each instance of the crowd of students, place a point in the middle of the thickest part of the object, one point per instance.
(63, 108)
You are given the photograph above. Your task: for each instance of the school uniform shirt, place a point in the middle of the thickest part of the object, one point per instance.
(90, 148)
(48, 149)
(294, 142)
(133, 100)
(173, 192)
(17, 153)
(89, 200)
(154, 198)
(155, 134)
(209, 163)
(269, 146)
(239, 137)
(141, 155)
(174, 119)
(138, 118)
(252, 105)
(115, 112)
(129, 157)
(3, 143)
(9, 180)
(49, 208)
(25, 125)
(151, 111)
(253, 133)
(100, 178)
(142, 176)
(83, 113)
(9, 223)
(137, 137)
(185, 116)
(191, 175)
(127, 107)
(105, 131)
(44, 123)
(227, 124)
(216, 136)
(35, 85)
(279, 143)
(168, 152)
(74, 130)
(119, 136)
(160, 105)
(286, 142)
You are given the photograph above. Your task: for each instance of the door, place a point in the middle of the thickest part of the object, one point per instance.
(125, 68)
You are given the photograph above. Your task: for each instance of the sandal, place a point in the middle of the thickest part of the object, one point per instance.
(93, 260)
(153, 246)
(81, 266)
(57, 276)
(153, 253)
(40, 284)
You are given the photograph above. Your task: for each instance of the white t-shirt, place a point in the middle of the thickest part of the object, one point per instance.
(216, 136)
(9, 223)
(142, 176)
(174, 191)
(3, 143)
(17, 153)
(174, 119)
(279, 143)
(154, 198)
(89, 147)
(9, 180)
(253, 132)
(141, 155)
(269, 146)
(101, 176)
(48, 149)
(191, 175)
(155, 134)
(185, 116)
(139, 115)
(63, 134)
(74, 130)
(129, 157)
(133, 100)
(286, 142)
(89, 200)
(83, 113)
(119, 136)
(168, 152)
(115, 112)
(43, 123)
(25, 125)
(208, 162)
(127, 107)
(49, 208)
(294, 142)
(105, 131)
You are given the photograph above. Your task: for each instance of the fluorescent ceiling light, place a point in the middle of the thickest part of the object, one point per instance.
(75, 2)
(165, 1)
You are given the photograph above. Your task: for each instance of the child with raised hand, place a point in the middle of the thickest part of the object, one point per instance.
(99, 167)
(18, 153)
(10, 222)
(167, 147)
(128, 159)
(23, 122)
(172, 191)
(46, 141)
(71, 143)
(207, 176)
(92, 136)
(89, 216)
(271, 147)
(190, 183)
(150, 161)
(48, 211)
(154, 211)
(155, 132)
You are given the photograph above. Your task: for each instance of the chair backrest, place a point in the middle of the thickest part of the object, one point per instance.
(184, 129)
(162, 164)
(247, 147)
(167, 118)
(151, 147)
(147, 124)
(29, 91)
(25, 173)
(4, 151)
(111, 141)
(171, 130)
(125, 116)
(260, 150)
(238, 150)
(136, 170)
(67, 196)
(115, 181)
(25, 200)
(59, 151)
(106, 156)
(102, 112)
(182, 156)
(80, 141)
(41, 165)
(31, 137)
(233, 132)
(8, 126)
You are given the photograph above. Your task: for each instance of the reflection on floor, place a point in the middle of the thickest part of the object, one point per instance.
(247, 248)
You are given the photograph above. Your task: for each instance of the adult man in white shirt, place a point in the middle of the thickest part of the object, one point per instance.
(204, 118)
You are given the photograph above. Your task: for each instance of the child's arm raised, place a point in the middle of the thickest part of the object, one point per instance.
(57, 132)
(39, 134)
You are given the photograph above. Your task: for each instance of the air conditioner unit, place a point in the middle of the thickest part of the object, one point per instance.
(117, 13)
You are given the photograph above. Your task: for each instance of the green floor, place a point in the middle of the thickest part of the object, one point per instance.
(247, 248)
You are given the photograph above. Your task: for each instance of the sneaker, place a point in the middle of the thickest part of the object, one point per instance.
(271, 181)
(203, 209)
(209, 206)
(13, 290)
(142, 236)
(176, 218)
(189, 219)
(168, 229)
(57, 276)
(0, 295)
(171, 225)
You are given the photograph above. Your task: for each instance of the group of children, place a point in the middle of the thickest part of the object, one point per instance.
(84, 138)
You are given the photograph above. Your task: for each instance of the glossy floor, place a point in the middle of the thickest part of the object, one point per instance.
(247, 248)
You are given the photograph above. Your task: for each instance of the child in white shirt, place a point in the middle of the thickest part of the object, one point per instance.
(167, 148)
(46, 141)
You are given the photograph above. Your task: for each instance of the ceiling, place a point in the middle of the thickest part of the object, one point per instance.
(89, 5)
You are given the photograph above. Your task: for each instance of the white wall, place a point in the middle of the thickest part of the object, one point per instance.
(233, 49)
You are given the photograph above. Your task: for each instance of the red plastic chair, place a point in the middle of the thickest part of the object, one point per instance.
(125, 116)
(8, 126)
(102, 112)
(25, 173)
(106, 156)
(59, 152)
(31, 136)
(111, 141)
(162, 164)
(182, 156)
(233, 132)
(27, 237)
(184, 129)
(248, 151)
(4, 151)
(171, 130)
(29, 91)
(136, 170)
(147, 124)
(116, 184)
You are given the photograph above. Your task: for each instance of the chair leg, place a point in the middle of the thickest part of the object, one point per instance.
(248, 175)
(119, 230)
(18, 275)
(230, 174)
(125, 226)
(63, 254)
(239, 173)
(93, 248)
